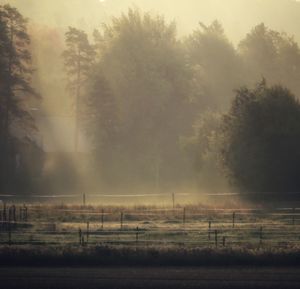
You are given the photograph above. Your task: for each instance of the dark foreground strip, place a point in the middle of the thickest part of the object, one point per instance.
(149, 278)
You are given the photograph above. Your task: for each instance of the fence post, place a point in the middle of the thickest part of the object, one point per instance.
(137, 235)
(4, 212)
(83, 199)
(20, 214)
(87, 231)
(216, 238)
(102, 219)
(121, 221)
(233, 219)
(209, 227)
(9, 213)
(25, 213)
(183, 217)
(14, 213)
(260, 235)
(173, 200)
(224, 241)
(9, 233)
(80, 236)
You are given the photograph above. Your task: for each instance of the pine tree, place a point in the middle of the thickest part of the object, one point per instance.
(78, 59)
(15, 82)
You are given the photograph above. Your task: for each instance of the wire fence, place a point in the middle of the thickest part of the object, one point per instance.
(142, 226)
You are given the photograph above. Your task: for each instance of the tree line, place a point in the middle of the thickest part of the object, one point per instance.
(152, 102)
(160, 110)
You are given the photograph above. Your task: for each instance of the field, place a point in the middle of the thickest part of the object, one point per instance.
(191, 225)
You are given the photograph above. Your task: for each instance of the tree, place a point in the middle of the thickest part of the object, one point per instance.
(103, 124)
(144, 65)
(261, 140)
(78, 58)
(15, 84)
(273, 55)
(216, 65)
(202, 150)
(47, 46)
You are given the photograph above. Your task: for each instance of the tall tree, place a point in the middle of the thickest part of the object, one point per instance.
(78, 58)
(15, 83)
(144, 65)
(273, 55)
(216, 65)
(261, 139)
(103, 124)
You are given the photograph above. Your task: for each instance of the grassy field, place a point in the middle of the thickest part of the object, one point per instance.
(148, 225)
(193, 230)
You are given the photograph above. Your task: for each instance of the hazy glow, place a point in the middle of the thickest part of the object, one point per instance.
(49, 20)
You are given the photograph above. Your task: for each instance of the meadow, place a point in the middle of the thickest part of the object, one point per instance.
(148, 225)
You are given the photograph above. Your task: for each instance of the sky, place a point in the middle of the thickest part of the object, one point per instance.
(237, 16)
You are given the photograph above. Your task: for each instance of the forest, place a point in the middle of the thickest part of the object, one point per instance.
(149, 144)
(136, 105)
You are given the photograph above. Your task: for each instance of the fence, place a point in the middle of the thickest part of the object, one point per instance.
(148, 225)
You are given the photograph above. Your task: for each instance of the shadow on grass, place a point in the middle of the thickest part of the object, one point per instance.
(146, 256)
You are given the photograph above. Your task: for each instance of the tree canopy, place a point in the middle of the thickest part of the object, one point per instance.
(141, 83)
(16, 92)
(261, 140)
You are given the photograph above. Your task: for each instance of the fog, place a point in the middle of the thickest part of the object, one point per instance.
(160, 76)
(237, 16)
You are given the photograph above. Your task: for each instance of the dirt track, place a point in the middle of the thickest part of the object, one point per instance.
(131, 278)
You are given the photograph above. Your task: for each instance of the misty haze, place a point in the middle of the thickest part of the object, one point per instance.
(138, 132)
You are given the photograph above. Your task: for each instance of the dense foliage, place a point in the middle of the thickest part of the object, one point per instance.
(16, 121)
(261, 140)
(148, 102)
(139, 96)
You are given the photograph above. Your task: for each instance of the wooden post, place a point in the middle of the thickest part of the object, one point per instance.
(9, 233)
(80, 236)
(9, 213)
(173, 200)
(137, 235)
(183, 217)
(121, 221)
(14, 213)
(216, 238)
(25, 213)
(102, 219)
(4, 212)
(20, 214)
(233, 219)
(209, 227)
(83, 199)
(260, 235)
(224, 241)
(87, 231)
